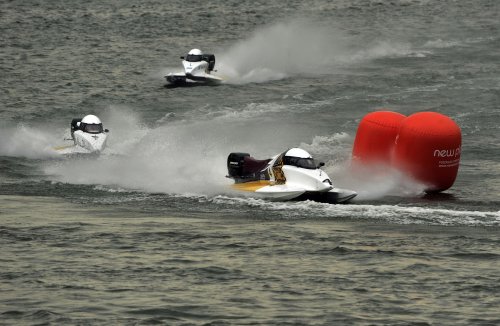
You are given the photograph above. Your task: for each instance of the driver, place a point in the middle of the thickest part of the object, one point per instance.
(89, 124)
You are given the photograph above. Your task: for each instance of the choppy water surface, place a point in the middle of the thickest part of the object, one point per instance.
(149, 233)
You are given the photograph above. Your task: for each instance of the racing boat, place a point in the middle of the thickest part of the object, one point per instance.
(291, 175)
(88, 137)
(198, 68)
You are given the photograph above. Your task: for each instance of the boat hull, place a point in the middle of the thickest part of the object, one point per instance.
(84, 144)
(181, 79)
(334, 196)
(266, 190)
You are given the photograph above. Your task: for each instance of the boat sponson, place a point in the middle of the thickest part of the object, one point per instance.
(176, 78)
(326, 197)
(205, 79)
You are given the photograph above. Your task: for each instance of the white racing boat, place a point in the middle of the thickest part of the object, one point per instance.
(291, 175)
(88, 137)
(198, 68)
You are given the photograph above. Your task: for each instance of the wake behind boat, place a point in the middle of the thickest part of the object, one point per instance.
(88, 137)
(291, 175)
(198, 68)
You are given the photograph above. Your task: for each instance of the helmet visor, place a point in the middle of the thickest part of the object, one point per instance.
(194, 57)
(305, 163)
(93, 128)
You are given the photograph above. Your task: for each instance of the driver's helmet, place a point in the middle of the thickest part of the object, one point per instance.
(91, 124)
(299, 158)
(195, 55)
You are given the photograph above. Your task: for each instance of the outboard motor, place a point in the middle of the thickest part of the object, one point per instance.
(210, 58)
(235, 162)
(75, 126)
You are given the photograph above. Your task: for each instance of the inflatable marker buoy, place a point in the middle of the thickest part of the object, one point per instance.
(428, 148)
(425, 146)
(375, 137)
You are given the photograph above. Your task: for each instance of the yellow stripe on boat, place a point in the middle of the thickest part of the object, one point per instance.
(251, 185)
(58, 148)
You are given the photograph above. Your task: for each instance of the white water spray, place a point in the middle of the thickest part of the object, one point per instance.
(29, 142)
(370, 182)
(281, 50)
(176, 157)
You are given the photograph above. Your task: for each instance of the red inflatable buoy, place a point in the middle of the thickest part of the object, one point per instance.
(428, 148)
(375, 137)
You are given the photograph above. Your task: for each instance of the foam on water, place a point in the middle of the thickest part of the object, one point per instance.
(230, 114)
(253, 110)
(389, 213)
(387, 49)
(441, 44)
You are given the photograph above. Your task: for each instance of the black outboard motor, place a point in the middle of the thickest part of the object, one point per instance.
(74, 126)
(235, 163)
(210, 58)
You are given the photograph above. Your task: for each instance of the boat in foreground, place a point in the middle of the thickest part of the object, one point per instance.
(88, 137)
(291, 175)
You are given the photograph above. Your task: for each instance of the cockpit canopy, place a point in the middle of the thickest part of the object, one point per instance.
(299, 158)
(92, 128)
(306, 163)
(91, 119)
(89, 124)
(195, 55)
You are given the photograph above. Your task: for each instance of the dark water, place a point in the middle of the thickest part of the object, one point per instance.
(149, 233)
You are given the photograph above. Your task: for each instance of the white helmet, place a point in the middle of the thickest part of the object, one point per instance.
(195, 52)
(91, 119)
(299, 158)
(298, 152)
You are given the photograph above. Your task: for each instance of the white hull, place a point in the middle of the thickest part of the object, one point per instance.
(198, 68)
(285, 193)
(292, 175)
(72, 150)
(84, 144)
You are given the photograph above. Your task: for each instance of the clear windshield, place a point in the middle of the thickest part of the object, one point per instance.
(194, 57)
(306, 163)
(93, 128)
